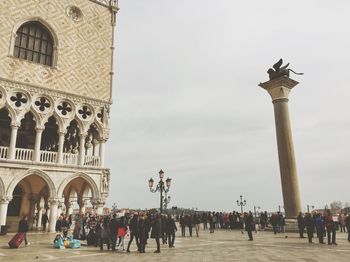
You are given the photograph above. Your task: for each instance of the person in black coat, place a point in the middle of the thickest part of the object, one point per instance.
(249, 224)
(301, 224)
(142, 232)
(170, 228)
(156, 231)
(113, 231)
(23, 227)
(133, 228)
(347, 224)
(310, 226)
(44, 220)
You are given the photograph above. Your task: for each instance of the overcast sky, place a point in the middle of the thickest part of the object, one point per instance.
(186, 99)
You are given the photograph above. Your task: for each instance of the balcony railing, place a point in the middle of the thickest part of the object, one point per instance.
(92, 161)
(24, 154)
(49, 157)
(70, 159)
(3, 152)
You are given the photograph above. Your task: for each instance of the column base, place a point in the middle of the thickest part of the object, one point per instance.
(291, 225)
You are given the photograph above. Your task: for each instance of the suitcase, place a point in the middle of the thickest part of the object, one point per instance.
(16, 240)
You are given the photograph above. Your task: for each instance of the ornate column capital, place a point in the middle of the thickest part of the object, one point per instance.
(5, 199)
(98, 202)
(279, 88)
(53, 201)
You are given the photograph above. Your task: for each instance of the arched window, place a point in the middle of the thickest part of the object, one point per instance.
(34, 43)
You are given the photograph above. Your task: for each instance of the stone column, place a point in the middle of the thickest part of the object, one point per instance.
(40, 214)
(82, 149)
(53, 214)
(279, 90)
(102, 152)
(60, 147)
(59, 208)
(4, 202)
(39, 132)
(13, 140)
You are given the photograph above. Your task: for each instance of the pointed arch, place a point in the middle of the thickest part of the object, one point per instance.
(46, 25)
(87, 178)
(30, 172)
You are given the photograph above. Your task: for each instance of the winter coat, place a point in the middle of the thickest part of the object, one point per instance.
(156, 228)
(170, 226)
(23, 226)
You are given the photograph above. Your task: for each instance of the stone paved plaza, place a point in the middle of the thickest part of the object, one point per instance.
(220, 246)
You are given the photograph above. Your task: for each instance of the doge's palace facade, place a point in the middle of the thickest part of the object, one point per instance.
(56, 70)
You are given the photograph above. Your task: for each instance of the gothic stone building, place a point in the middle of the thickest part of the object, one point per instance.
(56, 59)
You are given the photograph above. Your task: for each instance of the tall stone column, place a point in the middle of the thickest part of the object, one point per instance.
(102, 152)
(39, 132)
(4, 202)
(82, 149)
(60, 147)
(13, 140)
(40, 214)
(279, 90)
(53, 214)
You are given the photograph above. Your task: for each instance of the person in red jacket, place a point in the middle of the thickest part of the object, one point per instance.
(330, 228)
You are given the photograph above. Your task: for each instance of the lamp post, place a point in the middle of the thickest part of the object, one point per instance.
(161, 187)
(241, 203)
(308, 208)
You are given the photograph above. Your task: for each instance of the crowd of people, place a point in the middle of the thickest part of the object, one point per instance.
(323, 225)
(110, 230)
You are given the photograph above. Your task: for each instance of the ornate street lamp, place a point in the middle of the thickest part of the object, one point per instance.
(241, 203)
(161, 187)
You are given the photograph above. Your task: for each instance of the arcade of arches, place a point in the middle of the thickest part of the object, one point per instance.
(36, 193)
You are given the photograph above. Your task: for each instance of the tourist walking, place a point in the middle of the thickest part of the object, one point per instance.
(143, 232)
(301, 224)
(319, 221)
(197, 222)
(103, 232)
(113, 231)
(182, 225)
(347, 224)
(249, 224)
(170, 230)
(331, 232)
(23, 227)
(156, 231)
(44, 220)
(133, 229)
(310, 226)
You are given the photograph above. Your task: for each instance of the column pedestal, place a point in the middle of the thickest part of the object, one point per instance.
(279, 90)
